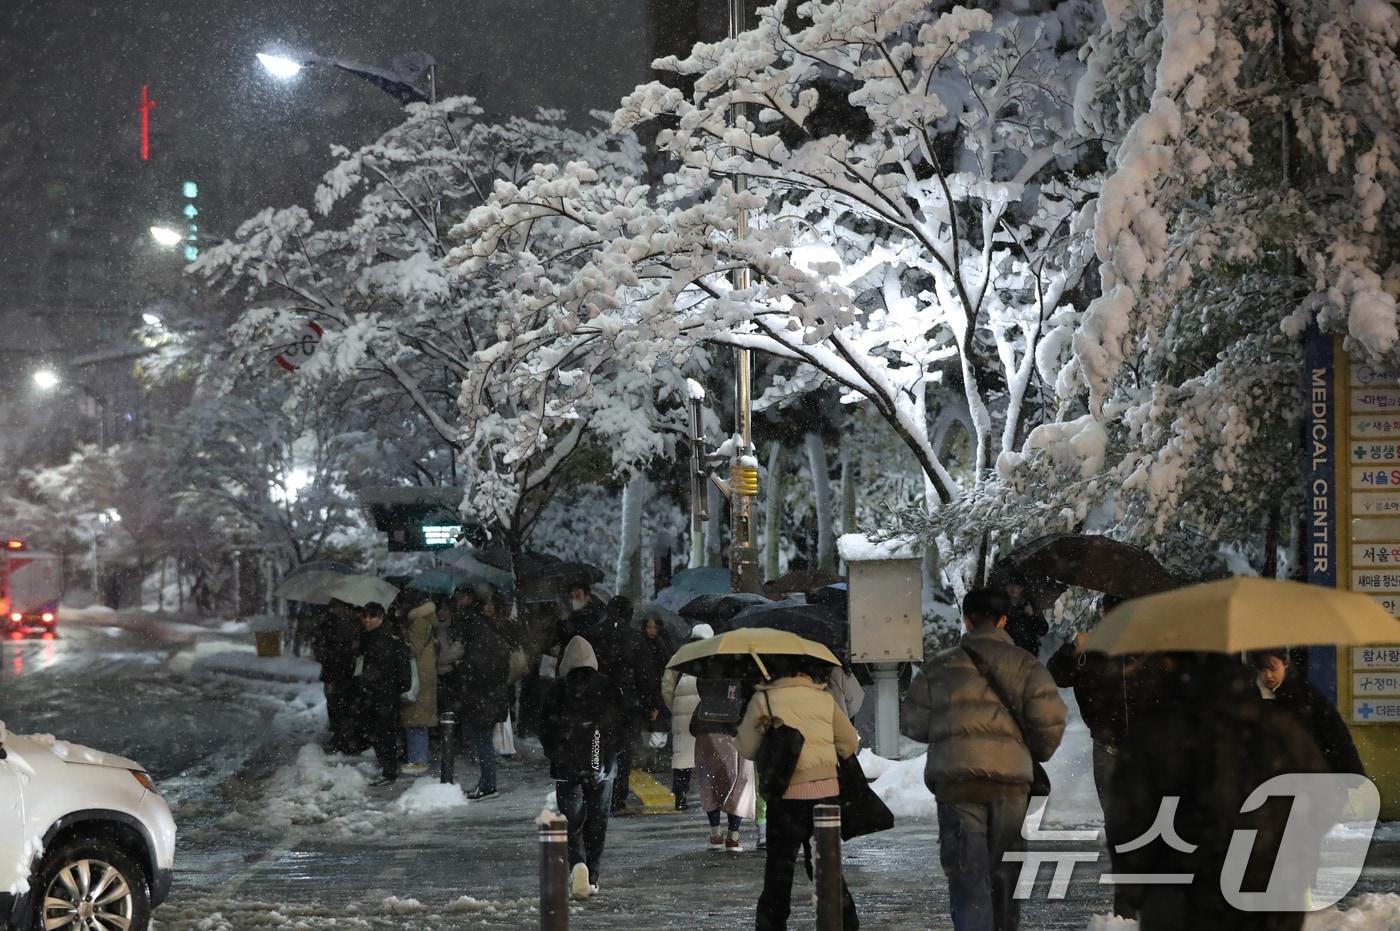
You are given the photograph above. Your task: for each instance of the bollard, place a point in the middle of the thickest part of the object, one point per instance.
(826, 824)
(554, 872)
(447, 722)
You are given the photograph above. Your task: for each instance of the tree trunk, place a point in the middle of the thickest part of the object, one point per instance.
(629, 551)
(1270, 568)
(773, 513)
(848, 486)
(821, 491)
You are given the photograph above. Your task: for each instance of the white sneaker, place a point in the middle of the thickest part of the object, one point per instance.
(579, 886)
(414, 769)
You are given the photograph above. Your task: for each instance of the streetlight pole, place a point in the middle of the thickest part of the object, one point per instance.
(743, 546)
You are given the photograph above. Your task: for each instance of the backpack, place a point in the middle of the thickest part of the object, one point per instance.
(578, 749)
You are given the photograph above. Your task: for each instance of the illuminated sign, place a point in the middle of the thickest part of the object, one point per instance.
(145, 107)
(441, 535)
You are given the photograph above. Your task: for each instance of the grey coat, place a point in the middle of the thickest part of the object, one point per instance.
(972, 738)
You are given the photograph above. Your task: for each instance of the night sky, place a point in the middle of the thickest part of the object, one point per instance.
(78, 264)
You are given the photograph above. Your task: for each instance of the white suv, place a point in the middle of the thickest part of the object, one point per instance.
(86, 842)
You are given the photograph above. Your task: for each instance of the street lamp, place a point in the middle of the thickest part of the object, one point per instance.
(46, 379)
(279, 67)
(397, 82)
(165, 236)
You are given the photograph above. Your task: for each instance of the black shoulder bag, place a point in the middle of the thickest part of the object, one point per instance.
(776, 759)
(1040, 779)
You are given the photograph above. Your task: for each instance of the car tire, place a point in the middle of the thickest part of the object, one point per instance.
(60, 878)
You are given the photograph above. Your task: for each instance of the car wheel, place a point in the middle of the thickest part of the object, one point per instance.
(88, 885)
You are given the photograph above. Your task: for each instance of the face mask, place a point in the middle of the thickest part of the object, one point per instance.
(578, 604)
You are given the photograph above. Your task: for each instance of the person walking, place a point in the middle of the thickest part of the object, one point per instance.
(654, 652)
(1278, 681)
(486, 694)
(617, 645)
(383, 678)
(1025, 623)
(989, 711)
(681, 697)
(1198, 758)
(579, 728)
(727, 785)
(797, 696)
(420, 633)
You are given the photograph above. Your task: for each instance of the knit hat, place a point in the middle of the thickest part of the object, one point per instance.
(701, 632)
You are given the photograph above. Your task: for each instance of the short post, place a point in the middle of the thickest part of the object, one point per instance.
(886, 676)
(447, 723)
(554, 872)
(826, 822)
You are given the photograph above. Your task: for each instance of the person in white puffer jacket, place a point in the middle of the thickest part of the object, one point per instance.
(682, 697)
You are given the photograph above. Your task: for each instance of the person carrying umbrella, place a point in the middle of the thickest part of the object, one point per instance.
(384, 676)
(797, 696)
(420, 632)
(681, 696)
(1212, 744)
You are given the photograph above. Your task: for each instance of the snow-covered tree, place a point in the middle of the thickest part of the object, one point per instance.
(401, 329)
(915, 223)
(1252, 191)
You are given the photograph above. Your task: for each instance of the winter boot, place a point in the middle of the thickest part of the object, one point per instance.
(682, 804)
(716, 837)
(732, 844)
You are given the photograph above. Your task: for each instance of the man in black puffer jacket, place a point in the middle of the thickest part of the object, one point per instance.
(579, 730)
(485, 688)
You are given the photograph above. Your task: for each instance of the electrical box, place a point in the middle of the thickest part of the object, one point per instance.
(886, 603)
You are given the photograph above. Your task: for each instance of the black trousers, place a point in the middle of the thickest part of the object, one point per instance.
(380, 717)
(341, 714)
(622, 783)
(789, 825)
(585, 803)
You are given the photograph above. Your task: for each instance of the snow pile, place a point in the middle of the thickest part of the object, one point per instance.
(1367, 913)
(1073, 799)
(397, 906)
(315, 791)
(467, 905)
(249, 665)
(857, 547)
(429, 797)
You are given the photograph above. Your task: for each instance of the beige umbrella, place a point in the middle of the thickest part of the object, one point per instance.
(752, 642)
(1233, 615)
(360, 590)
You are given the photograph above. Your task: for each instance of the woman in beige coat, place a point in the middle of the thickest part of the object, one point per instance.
(681, 697)
(420, 632)
(797, 696)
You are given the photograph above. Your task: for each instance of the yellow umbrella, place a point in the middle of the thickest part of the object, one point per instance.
(1232, 615)
(754, 642)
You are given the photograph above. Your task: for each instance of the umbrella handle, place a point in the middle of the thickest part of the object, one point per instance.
(761, 667)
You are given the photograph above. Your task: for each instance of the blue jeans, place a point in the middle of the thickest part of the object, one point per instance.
(417, 741)
(483, 745)
(972, 837)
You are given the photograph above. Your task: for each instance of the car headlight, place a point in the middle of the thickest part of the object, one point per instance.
(144, 779)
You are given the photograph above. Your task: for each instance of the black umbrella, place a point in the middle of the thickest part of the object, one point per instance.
(718, 610)
(1098, 563)
(813, 622)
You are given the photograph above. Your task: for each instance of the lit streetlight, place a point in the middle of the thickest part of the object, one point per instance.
(46, 379)
(165, 236)
(397, 81)
(280, 67)
(150, 319)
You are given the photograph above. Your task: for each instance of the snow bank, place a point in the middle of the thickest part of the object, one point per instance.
(1366, 913)
(245, 663)
(902, 788)
(428, 797)
(857, 547)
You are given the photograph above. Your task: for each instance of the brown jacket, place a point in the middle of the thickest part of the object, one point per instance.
(801, 703)
(420, 632)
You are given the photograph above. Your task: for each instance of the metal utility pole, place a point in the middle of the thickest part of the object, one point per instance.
(744, 574)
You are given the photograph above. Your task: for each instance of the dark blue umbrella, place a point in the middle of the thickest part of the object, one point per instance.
(813, 622)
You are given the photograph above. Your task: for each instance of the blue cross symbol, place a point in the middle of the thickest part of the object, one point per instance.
(1365, 711)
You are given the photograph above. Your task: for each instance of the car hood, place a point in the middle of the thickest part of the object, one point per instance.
(67, 751)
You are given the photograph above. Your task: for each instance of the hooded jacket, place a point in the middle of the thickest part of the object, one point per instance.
(976, 750)
(420, 633)
(801, 703)
(582, 703)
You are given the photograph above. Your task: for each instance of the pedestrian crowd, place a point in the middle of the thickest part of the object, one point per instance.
(1203, 730)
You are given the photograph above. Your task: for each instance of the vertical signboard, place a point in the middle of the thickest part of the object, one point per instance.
(1320, 474)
